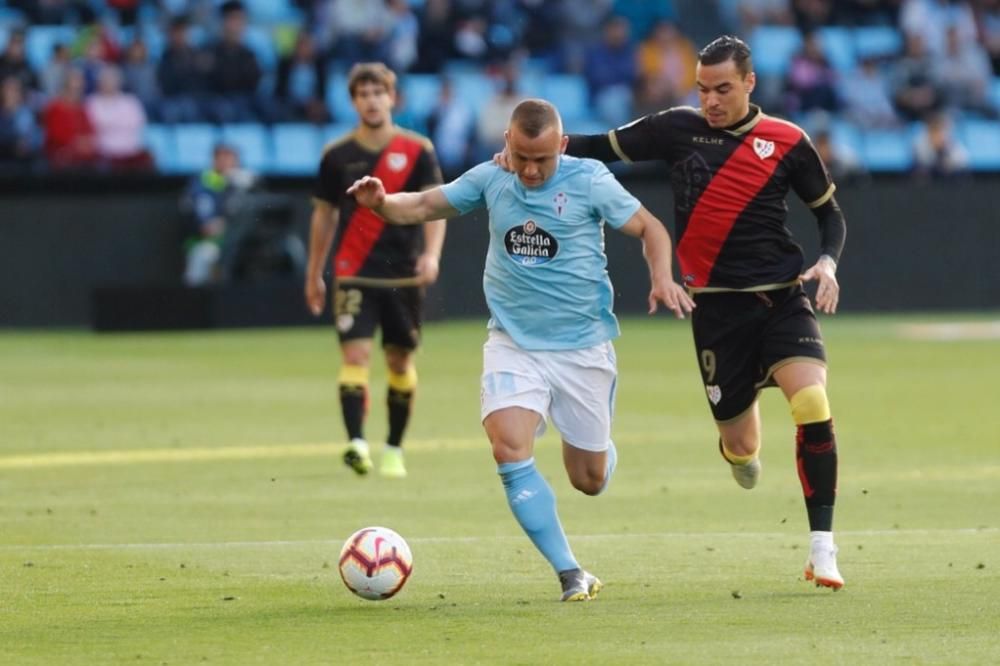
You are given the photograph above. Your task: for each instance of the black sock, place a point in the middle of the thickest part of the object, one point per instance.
(816, 459)
(399, 404)
(353, 404)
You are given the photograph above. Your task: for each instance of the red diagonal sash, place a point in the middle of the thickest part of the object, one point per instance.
(731, 189)
(364, 227)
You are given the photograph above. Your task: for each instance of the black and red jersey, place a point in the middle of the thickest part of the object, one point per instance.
(729, 193)
(367, 250)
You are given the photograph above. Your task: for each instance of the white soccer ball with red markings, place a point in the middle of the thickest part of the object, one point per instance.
(375, 563)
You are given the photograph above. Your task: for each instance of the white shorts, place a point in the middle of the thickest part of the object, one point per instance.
(575, 388)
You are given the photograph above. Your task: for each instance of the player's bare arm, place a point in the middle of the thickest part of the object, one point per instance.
(322, 228)
(657, 249)
(401, 207)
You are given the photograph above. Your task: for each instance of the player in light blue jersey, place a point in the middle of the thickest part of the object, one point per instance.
(548, 353)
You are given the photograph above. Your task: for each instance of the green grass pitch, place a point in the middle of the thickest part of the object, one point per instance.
(178, 499)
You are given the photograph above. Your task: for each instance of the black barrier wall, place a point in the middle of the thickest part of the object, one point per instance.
(927, 246)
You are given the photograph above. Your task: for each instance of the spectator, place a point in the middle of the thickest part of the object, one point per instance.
(842, 163)
(70, 141)
(988, 26)
(930, 19)
(403, 36)
(495, 113)
(119, 123)
(235, 74)
(55, 12)
(810, 15)
(666, 64)
(965, 74)
(435, 39)
(359, 27)
(937, 154)
(811, 81)
(865, 96)
(916, 92)
(20, 136)
(128, 10)
(301, 85)
(14, 64)
(53, 77)
(610, 70)
(182, 75)
(140, 77)
(451, 127)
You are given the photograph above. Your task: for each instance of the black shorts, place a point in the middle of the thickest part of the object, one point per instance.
(741, 338)
(358, 311)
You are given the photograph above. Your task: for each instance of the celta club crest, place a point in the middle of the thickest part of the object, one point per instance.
(764, 149)
(396, 161)
(560, 200)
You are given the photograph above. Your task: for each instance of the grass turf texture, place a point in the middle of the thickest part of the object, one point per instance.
(179, 499)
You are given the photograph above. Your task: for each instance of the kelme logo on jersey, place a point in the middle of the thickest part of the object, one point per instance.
(764, 149)
(530, 245)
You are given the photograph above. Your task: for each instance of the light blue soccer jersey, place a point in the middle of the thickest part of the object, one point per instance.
(546, 281)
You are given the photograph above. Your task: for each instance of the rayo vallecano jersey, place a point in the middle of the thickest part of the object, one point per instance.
(366, 250)
(729, 193)
(545, 280)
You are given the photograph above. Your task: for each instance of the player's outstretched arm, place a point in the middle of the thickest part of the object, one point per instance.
(657, 248)
(401, 207)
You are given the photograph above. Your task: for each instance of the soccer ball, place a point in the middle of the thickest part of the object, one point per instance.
(375, 563)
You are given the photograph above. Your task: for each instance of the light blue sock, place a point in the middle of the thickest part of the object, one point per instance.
(534, 506)
(609, 468)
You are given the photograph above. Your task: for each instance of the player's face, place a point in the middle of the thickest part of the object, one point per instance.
(373, 102)
(535, 159)
(724, 93)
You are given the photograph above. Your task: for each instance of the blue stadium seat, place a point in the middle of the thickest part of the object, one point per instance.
(160, 142)
(297, 149)
(40, 40)
(838, 47)
(994, 92)
(585, 126)
(877, 42)
(421, 92)
(569, 93)
(473, 89)
(253, 143)
(338, 98)
(272, 11)
(773, 47)
(844, 133)
(887, 150)
(335, 131)
(982, 139)
(194, 142)
(258, 39)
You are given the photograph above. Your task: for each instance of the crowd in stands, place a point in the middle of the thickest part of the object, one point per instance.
(81, 80)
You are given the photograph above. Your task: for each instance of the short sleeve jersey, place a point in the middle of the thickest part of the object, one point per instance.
(729, 190)
(546, 279)
(366, 250)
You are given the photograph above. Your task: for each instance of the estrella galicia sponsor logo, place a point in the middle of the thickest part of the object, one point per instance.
(530, 245)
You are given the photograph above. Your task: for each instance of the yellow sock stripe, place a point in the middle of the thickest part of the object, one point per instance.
(810, 405)
(735, 459)
(353, 375)
(405, 382)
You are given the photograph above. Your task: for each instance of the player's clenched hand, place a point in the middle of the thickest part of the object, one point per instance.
(673, 295)
(368, 191)
(427, 268)
(824, 272)
(315, 294)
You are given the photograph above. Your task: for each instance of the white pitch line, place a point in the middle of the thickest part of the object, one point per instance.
(965, 531)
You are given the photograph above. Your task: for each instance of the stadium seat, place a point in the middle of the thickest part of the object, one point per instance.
(877, 42)
(569, 93)
(194, 143)
(258, 39)
(335, 131)
(585, 126)
(887, 150)
(994, 92)
(838, 47)
(160, 142)
(847, 134)
(297, 149)
(272, 11)
(773, 47)
(981, 138)
(473, 89)
(41, 39)
(253, 143)
(421, 92)
(338, 98)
